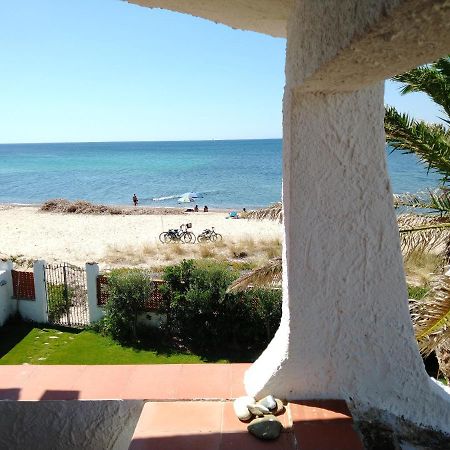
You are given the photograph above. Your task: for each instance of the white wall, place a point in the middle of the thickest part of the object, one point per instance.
(30, 310)
(35, 310)
(95, 311)
(68, 425)
(6, 291)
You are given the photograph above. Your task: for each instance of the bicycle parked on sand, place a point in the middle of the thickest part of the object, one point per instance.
(178, 235)
(209, 236)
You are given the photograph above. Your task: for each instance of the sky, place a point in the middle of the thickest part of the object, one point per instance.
(105, 70)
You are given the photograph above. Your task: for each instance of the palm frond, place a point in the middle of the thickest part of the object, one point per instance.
(268, 275)
(440, 201)
(431, 316)
(423, 233)
(431, 79)
(430, 142)
(272, 212)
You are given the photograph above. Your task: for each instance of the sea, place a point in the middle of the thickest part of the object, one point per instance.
(224, 174)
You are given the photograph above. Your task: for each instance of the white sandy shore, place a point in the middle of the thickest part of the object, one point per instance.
(31, 234)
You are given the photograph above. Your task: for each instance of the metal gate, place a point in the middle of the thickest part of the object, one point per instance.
(66, 288)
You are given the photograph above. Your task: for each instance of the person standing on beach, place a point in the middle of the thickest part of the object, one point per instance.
(135, 199)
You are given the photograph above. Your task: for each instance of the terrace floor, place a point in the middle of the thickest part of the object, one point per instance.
(188, 406)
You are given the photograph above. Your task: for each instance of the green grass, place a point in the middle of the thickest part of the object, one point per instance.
(417, 292)
(22, 343)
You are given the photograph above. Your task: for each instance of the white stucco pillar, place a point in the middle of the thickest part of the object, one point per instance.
(345, 331)
(95, 312)
(40, 307)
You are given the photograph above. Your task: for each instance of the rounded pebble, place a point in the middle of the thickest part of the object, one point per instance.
(240, 406)
(266, 428)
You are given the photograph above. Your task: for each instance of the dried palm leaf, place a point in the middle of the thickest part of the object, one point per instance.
(268, 275)
(410, 201)
(423, 233)
(272, 212)
(431, 316)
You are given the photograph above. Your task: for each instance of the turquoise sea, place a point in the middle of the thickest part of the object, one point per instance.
(229, 174)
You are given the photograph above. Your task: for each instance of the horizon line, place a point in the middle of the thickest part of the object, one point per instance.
(139, 141)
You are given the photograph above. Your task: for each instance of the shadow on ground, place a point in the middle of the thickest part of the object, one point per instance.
(15, 330)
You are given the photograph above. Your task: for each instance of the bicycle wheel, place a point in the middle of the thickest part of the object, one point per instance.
(216, 237)
(201, 238)
(188, 237)
(164, 237)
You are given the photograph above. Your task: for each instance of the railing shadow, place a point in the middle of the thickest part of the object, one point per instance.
(51, 394)
(10, 394)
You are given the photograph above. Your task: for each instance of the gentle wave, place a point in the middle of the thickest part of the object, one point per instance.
(171, 197)
(168, 197)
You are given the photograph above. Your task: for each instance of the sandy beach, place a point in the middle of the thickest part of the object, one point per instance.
(128, 240)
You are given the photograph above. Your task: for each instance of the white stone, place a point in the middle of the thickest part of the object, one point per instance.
(258, 410)
(241, 409)
(269, 402)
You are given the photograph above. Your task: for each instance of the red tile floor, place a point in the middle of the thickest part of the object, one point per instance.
(189, 406)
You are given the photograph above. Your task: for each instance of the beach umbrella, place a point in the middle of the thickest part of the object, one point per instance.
(186, 198)
(189, 197)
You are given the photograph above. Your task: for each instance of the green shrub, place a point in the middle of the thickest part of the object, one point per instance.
(59, 301)
(127, 293)
(209, 320)
(266, 304)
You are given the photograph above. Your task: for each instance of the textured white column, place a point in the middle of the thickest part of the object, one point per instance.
(40, 307)
(345, 331)
(95, 312)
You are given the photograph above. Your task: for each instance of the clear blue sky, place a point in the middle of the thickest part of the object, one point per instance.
(105, 70)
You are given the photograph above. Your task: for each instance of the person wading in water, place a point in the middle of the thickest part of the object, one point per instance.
(135, 199)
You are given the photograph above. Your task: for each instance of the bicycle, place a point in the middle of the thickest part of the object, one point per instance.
(209, 235)
(178, 235)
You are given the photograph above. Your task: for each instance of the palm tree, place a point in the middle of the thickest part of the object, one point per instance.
(429, 142)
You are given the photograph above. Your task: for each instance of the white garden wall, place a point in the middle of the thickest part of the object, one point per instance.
(6, 302)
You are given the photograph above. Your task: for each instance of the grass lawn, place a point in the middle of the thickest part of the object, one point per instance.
(26, 343)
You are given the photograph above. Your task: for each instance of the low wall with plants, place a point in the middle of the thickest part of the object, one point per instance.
(201, 315)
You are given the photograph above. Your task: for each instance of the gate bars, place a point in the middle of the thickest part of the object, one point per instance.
(66, 295)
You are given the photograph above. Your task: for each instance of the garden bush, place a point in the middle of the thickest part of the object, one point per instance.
(127, 293)
(209, 320)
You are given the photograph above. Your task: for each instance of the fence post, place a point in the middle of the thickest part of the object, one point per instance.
(95, 312)
(6, 291)
(40, 291)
